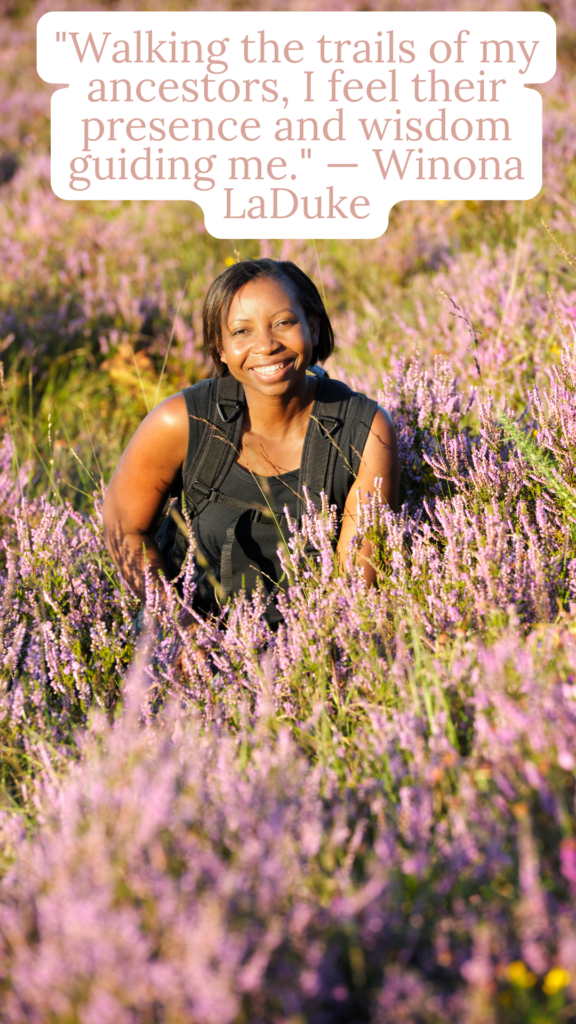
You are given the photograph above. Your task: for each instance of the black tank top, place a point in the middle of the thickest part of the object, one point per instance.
(255, 556)
(256, 553)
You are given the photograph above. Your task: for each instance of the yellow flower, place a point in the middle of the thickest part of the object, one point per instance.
(229, 261)
(519, 975)
(555, 980)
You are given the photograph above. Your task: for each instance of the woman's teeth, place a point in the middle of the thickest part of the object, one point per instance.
(269, 371)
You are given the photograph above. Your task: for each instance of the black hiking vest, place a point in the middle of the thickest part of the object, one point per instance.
(215, 410)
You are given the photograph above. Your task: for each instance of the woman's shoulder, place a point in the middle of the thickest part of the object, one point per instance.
(165, 428)
(341, 387)
(200, 387)
(360, 409)
(198, 394)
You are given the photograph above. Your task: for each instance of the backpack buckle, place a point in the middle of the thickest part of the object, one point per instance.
(202, 488)
(323, 425)
(233, 414)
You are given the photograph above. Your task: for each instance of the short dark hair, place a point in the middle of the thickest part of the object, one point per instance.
(228, 283)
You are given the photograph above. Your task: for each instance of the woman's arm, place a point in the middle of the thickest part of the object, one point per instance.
(138, 490)
(379, 459)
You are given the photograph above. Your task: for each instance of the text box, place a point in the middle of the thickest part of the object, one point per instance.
(295, 125)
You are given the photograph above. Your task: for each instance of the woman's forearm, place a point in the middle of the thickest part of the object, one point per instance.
(132, 553)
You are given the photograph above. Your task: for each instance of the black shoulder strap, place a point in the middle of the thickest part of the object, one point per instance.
(322, 442)
(359, 417)
(207, 467)
(198, 400)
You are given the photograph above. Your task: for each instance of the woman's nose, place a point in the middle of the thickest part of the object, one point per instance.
(266, 341)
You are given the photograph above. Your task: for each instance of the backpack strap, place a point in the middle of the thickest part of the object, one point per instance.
(215, 422)
(359, 416)
(209, 459)
(322, 443)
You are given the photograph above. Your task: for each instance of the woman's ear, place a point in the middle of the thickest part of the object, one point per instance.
(220, 351)
(314, 325)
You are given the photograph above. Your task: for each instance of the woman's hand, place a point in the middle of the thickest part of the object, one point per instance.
(139, 487)
(379, 459)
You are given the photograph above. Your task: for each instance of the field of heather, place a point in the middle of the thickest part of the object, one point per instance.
(369, 815)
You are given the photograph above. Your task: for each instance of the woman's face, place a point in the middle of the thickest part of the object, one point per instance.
(267, 343)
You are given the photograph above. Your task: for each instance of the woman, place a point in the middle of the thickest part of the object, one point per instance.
(244, 445)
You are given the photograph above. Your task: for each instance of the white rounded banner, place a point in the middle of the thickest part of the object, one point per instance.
(295, 125)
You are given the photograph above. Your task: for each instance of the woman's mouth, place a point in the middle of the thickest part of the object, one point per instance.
(272, 369)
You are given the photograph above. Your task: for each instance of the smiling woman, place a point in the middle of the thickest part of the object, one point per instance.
(241, 448)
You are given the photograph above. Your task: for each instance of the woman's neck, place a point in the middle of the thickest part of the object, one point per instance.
(279, 416)
(274, 429)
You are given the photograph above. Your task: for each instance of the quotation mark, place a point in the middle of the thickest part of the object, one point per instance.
(303, 153)
(58, 34)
